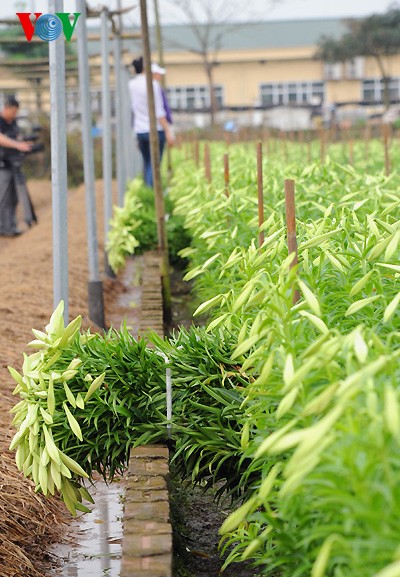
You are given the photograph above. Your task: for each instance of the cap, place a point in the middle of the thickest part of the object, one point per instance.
(11, 102)
(156, 69)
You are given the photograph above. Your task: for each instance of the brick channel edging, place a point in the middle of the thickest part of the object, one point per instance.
(147, 538)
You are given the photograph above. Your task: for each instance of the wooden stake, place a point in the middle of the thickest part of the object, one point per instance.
(284, 144)
(351, 152)
(367, 135)
(226, 174)
(386, 137)
(155, 162)
(291, 227)
(301, 141)
(260, 186)
(197, 153)
(268, 141)
(309, 155)
(322, 145)
(207, 162)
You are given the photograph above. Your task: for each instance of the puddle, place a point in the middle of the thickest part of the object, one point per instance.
(96, 537)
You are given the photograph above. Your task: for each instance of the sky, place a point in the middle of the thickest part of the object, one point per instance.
(283, 10)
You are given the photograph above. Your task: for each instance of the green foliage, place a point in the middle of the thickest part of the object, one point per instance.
(375, 35)
(292, 406)
(75, 158)
(22, 51)
(134, 226)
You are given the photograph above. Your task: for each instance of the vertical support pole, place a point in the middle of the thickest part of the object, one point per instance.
(301, 141)
(351, 152)
(131, 163)
(291, 227)
(268, 141)
(119, 124)
(161, 61)
(134, 165)
(197, 152)
(59, 166)
(95, 286)
(207, 162)
(322, 145)
(386, 135)
(260, 188)
(284, 145)
(367, 135)
(155, 163)
(226, 174)
(107, 135)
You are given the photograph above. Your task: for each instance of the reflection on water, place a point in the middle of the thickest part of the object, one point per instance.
(97, 536)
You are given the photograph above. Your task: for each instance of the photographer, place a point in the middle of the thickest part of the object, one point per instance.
(12, 181)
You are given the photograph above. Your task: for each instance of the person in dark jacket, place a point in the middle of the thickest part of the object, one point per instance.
(8, 185)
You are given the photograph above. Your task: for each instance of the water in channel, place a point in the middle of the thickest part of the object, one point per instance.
(95, 539)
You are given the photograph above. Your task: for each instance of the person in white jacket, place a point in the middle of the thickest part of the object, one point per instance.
(141, 119)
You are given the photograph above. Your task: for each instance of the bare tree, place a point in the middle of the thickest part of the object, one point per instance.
(210, 22)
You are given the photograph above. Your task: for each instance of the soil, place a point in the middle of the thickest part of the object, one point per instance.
(196, 519)
(196, 514)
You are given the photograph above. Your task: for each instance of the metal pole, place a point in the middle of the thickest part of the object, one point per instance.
(135, 166)
(120, 120)
(155, 164)
(134, 163)
(125, 107)
(126, 112)
(59, 167)
(107, 134)
(95, 287)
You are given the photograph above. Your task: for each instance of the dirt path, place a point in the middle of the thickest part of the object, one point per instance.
(26, 302)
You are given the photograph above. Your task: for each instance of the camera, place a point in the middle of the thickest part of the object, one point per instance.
(13, 158)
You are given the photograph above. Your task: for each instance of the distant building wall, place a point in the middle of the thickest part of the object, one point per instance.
(262, 64)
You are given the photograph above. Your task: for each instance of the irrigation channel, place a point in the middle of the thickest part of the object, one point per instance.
(94, 544)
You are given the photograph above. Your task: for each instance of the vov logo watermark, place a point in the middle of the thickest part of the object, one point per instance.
(48, 26)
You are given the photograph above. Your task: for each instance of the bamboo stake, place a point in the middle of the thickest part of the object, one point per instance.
(301, 141)
(226, 174)
(351, 152)
(309, 155)
(207, 162)
(197, 153)
(322, 145)
(367, 135)
(268, 141)
(284, 145)
(291, 227)
(260, 186)
(386, 135)
(155, 162)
